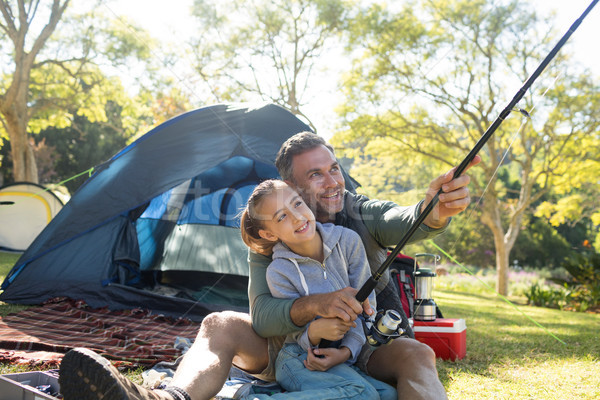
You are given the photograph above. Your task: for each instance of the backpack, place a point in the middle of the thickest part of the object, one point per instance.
(402, 274)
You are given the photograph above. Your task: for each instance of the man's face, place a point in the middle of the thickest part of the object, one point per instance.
(319, 180)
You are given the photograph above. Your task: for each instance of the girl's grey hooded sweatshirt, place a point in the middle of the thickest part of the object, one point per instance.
(345, 264)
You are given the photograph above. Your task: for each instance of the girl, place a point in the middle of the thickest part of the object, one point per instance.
(310, 258)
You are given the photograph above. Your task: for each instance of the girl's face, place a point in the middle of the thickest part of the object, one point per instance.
(286, 217)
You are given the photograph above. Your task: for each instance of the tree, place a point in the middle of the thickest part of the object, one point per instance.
(83, 145)
(52, 75)
(575, 199)
(268, 49)
(63, 153)
(431, 82)
(14, 101)
(162, 101)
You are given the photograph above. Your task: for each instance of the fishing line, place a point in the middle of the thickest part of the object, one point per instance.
(527, 114)
(476, 206)
(371, 283)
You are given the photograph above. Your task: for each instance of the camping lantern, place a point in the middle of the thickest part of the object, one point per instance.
(425, 307)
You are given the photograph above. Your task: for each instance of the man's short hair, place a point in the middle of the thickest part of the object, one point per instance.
(297, 144)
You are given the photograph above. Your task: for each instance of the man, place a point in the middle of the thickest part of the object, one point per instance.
(308, 164)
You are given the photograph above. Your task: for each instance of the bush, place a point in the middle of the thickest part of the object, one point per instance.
(583, 280)
(547, 297)
(579, 285)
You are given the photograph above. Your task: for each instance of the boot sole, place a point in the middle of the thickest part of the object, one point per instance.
(84, 375)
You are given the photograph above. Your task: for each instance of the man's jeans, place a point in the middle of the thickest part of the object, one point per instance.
(340, 382)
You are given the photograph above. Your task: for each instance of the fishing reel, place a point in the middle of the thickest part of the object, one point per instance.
(384, 328)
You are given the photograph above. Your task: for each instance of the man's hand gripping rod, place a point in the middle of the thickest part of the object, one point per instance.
(371, 283)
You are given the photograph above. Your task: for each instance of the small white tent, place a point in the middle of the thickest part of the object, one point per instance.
(25, 210)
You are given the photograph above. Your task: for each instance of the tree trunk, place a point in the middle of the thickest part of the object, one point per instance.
(491, 218)
(16, 121)
(502, 255)
(24, 164)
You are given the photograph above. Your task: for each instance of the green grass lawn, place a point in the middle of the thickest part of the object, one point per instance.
(508, 356)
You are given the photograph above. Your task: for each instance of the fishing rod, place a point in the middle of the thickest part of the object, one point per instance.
(386, 325)
(371, 283)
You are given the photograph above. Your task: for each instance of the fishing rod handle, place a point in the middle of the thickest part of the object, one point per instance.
(366, 289)
(361, 296)
(324, 344)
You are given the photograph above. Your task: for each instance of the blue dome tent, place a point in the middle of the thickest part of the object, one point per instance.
(156, 226)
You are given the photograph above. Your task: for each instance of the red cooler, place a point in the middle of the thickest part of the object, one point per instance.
(446, 336)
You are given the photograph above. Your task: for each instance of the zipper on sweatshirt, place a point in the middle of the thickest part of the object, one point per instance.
(324, 270)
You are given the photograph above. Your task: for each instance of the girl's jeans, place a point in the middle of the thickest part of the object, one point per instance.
(340, 382)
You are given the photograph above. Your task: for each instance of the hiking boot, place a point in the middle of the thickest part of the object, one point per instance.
(85, 375)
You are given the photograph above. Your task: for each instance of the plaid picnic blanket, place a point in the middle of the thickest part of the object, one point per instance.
(40, 336)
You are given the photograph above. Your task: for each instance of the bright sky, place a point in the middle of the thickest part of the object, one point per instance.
(585, 39)
(172, 23)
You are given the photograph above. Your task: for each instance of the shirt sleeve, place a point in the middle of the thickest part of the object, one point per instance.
(303, 340)
(354, 340)
(270, 316)
(280, 285)
(387, 222)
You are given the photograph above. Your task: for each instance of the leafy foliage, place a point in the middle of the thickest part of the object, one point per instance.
(579, 290)
(266, 50)
(53, 75)
(541, 296)
(425, 92)
(63, 152)
(584, 279)
(540, 245)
